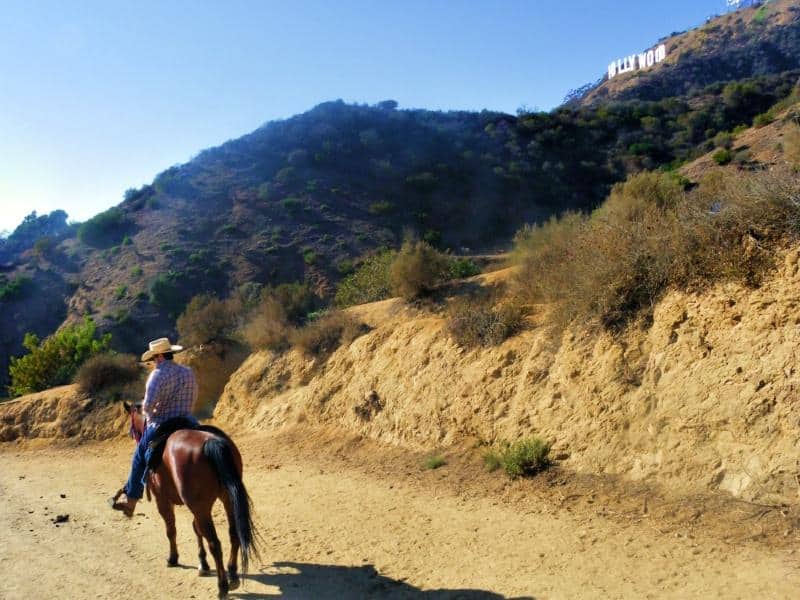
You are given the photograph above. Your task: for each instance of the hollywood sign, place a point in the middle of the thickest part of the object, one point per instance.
(634, 62)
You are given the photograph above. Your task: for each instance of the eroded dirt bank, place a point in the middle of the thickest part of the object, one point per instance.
(382, 529)
(703, 399)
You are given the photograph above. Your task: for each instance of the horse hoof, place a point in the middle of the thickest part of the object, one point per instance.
(172, 562)
(234, 584)
(201, 572)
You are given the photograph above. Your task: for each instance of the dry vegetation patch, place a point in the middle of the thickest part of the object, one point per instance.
(651, 234)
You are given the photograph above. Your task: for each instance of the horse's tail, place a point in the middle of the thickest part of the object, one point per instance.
(218, 452)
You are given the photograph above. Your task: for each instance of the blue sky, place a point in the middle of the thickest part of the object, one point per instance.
(97, 97)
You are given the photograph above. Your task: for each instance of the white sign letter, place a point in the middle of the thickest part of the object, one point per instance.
(642, 60)
(651, 58)
(612, 70)
(661, 53)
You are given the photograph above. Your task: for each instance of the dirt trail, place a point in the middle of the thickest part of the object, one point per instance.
(335, 531)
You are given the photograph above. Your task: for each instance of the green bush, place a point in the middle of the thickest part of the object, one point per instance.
(369, 282)
(417, 269)
(104, 229)
(16, 288)
(724, 140)
(434, 462)
(106, 370)
(309, 256)
(54, 360)
(461, 268)
(763, 119)
(520, 459)
(722, 157)
(167, 292)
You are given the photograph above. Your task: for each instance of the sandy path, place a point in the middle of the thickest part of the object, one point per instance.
(346, 534)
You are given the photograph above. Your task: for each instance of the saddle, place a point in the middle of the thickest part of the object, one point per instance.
(167, 428)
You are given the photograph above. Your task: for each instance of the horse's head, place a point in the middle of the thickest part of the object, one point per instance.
(137, 420)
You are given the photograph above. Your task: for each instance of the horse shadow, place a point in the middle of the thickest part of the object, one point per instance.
(298, 581)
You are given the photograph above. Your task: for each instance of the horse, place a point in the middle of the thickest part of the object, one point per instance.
(199, 467)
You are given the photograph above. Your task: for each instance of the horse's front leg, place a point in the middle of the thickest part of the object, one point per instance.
(167, 511)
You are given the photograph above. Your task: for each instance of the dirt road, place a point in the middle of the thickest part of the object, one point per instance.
(331, 530)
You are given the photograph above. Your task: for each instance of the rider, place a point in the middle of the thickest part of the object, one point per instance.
(171, 391)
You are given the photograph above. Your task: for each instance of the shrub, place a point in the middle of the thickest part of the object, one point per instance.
(104, 229)
(267, 327)
(11, 290)
(54, 360)
(291, 204)
(722, 157)
(106, 370)
(167, 292)
(327, 333)
(763, 119)
(417, 269)
(369, 282)
(296, 299)
(723, 140)
(309, 256)
(522, 458)
(384, 207)
(461, 268)
(43, 246)
(272, 318)
(434, 462)
(481, 320)
(649, 235)
(205, 319)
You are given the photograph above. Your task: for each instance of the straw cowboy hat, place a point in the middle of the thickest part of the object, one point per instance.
(160, 346)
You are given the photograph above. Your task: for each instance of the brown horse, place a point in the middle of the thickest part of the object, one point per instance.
(199, 468)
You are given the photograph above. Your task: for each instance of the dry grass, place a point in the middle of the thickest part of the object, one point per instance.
(267, 327)
(791, 144)
(327, 333)
(650, 235)
(103, 371)
(417, 269)
(484, 319)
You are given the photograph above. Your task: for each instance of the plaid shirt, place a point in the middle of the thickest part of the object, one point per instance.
(171, 391)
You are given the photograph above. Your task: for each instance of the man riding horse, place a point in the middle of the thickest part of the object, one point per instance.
(171, 391)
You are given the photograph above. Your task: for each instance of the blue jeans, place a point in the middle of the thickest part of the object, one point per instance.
(135, 486)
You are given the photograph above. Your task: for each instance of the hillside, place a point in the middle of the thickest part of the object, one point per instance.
(307, 198)
(750, 42)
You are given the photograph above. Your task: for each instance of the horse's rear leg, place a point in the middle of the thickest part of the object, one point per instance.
(206, 526)
(203, 568)
(233, 570)
(167, 511)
